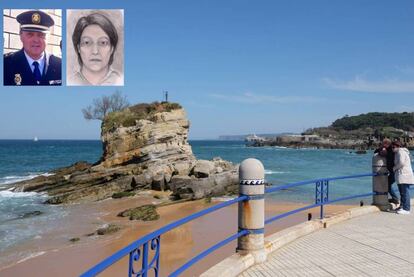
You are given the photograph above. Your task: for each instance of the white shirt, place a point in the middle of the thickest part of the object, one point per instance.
(41, 62)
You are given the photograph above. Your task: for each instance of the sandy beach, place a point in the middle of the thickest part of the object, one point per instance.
(54, 255)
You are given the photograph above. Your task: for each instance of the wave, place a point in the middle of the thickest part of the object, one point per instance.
(11, 194)
(7, 180)
(270, 172)
(33, 255)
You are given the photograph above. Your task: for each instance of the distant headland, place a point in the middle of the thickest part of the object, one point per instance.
(361, 132)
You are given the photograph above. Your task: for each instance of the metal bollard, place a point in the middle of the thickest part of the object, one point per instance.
(380, 183)
(251, 211)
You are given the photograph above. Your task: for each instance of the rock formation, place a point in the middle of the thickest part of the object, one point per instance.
(144, 147)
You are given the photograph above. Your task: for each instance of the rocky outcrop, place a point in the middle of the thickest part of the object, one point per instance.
(323, 143)
(363, 132)
(144, 147)
(161, 136)
(209, 178)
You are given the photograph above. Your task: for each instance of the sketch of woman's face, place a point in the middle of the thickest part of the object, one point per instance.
(95, 48)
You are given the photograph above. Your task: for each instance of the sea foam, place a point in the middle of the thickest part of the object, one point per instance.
(7, 180)
(11, 194)
(270, 172)
(33, 255)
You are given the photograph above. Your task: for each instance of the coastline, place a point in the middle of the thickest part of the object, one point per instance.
(54, 254)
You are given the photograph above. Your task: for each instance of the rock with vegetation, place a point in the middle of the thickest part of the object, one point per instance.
(144, 147)
(123, 194)
(146, 133)
(361, 132)
(108, 229)
(404, 121)
(144, 213)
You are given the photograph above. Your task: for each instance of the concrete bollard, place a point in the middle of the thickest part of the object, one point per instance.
(251, 211)
(380, 183)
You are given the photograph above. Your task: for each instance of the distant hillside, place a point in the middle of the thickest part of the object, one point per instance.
(370, 127)
(361, 132)
(404, 121)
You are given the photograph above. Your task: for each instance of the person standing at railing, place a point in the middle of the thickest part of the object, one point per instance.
(403, 175)
(386, 151)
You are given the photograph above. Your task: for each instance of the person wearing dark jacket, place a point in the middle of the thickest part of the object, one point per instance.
(32, 66)
(386, 151)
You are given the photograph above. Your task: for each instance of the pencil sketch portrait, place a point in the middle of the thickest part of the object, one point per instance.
(95, 48)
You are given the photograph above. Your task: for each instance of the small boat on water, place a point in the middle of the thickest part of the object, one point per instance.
(35, 139)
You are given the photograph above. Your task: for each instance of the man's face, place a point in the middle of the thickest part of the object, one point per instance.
(34, 43)
(386, 144)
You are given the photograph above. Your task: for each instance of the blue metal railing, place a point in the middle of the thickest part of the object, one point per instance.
(134, 249)
(321, 194)
(139, 249)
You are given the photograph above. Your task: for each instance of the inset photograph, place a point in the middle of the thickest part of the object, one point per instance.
(32, 47)
(95, 48)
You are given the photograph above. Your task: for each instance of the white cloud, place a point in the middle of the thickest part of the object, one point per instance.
(360, 84)
(258, 98)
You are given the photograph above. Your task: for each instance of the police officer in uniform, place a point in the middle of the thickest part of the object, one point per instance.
(31, 65)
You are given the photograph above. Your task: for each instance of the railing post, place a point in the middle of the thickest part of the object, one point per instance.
(251, 211)
(380, 182)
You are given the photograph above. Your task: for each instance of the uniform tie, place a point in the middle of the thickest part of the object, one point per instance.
(36, 72)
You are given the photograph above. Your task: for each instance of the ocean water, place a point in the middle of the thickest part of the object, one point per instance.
(21, 160)
(285, 165)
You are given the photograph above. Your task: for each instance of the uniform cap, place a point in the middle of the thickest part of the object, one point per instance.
(35, 21)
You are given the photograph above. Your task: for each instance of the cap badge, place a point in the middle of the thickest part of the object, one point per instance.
(36, 18)
(17, 79)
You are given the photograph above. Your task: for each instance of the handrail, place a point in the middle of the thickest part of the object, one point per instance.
(136, 244)
(321, 193)
(301, 183)
(280, 216)
(152, 239)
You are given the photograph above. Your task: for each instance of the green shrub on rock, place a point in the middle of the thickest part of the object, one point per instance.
(145, 213)
(123, 194)
(128, 116)
(110, 229)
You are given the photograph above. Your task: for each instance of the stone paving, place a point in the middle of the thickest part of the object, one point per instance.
(377, 244)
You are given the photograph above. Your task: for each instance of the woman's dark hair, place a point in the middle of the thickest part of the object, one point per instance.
(95, 19)
(397, 143)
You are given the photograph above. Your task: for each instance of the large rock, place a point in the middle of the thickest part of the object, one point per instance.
(159, 135)
(183, 168)
(203, 169)
(144, 147)
(185, 187)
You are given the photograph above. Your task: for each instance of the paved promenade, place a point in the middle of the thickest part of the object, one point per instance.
(377, 244)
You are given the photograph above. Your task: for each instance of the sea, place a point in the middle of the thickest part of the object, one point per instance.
(26, 159)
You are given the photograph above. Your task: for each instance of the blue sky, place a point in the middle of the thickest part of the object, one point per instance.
(238, 67)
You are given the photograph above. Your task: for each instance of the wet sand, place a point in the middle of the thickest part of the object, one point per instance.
(59, 257)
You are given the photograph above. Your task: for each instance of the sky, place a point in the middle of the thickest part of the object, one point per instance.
(237, 67)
